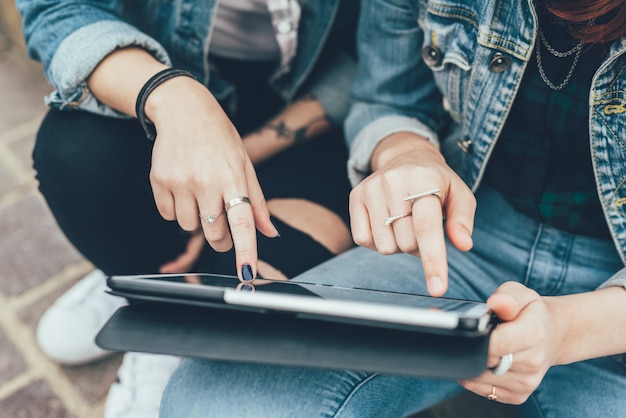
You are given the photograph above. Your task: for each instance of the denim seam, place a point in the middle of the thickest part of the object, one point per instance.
(455, 12)
(618, 203)
(533, 399)
(352, 393)
(455, 16)
(599, 100)
(618, 75)
(533, 251)
(499, 38)
(558, 285)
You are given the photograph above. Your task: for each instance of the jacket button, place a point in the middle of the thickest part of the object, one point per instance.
(465, 144)
(431, 55)
(499, 63)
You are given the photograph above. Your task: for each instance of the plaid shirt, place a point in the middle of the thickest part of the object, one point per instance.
(542, 162)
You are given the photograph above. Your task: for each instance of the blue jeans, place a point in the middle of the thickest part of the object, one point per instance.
(507, 246)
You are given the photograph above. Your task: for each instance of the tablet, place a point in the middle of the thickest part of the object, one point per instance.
(308, 300)
(287, 340)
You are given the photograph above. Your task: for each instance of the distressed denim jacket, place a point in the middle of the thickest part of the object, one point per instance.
(70, 38)
(449, 71)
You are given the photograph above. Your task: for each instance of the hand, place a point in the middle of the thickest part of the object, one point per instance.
(530, 333)
(405, 164)
(199, 164)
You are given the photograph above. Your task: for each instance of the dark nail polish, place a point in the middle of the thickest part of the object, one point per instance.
(277, 231)
(246, 273)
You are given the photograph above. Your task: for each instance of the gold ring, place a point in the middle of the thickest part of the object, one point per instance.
(236, 201)
(492, 396)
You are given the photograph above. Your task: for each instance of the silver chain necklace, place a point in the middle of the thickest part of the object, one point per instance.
(577, 50)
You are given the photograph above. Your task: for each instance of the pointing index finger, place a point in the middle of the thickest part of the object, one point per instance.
(243, 232)
(428, 227)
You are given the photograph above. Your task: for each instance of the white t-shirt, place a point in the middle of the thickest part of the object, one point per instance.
(243, 30)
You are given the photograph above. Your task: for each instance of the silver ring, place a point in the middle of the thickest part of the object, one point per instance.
(505, 363)
(390, 219)
(432, 192)
(492, 396)
(236, 201)
(211, 218)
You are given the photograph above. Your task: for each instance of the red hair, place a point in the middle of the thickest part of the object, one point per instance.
(609, 16)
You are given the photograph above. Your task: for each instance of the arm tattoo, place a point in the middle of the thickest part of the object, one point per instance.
(294, 135)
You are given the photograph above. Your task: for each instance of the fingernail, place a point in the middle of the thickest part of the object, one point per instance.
(435, 286)
(277, 231)
(246, 273)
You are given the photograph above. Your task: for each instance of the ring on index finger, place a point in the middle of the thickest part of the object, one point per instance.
(414, 197)
(236, 201)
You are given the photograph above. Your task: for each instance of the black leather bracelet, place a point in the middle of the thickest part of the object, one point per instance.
(148, 88)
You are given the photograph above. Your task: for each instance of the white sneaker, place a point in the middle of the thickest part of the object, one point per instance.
(141, 380)
(67, 330)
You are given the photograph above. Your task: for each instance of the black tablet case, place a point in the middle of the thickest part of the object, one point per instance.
(280, 339)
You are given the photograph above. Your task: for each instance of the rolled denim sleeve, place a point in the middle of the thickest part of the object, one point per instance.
(618, 279)
(394, 89)
(370, 136)
(71, 38)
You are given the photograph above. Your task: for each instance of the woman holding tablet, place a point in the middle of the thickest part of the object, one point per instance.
(487, 139)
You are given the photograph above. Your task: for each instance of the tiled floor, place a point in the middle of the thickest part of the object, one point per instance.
(37, 264)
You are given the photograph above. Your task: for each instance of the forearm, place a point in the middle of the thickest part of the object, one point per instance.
(300, 121)
(591, 324)
(117, 80)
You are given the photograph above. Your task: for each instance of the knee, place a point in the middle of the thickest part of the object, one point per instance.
(78, 150)
(65, 150)
(201, 388)
(178, 395)
(51, 155)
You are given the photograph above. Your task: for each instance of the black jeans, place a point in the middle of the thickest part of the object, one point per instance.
(94, 174)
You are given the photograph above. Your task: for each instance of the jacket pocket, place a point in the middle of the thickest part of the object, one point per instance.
(450, 41)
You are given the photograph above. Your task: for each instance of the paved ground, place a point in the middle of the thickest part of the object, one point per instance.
(37, 264)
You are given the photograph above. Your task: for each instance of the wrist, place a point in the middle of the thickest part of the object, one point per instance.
(150, 100)
(558, 308)
(399, 144)
(587, 324)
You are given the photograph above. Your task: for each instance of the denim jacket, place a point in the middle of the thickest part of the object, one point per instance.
(449, 71)
(70, 38)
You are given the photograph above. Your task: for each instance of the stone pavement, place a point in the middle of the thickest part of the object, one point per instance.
(37, 264)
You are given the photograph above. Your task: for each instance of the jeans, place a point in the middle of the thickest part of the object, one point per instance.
(507, 246)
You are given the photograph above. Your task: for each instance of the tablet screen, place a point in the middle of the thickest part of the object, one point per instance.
(331, 302)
